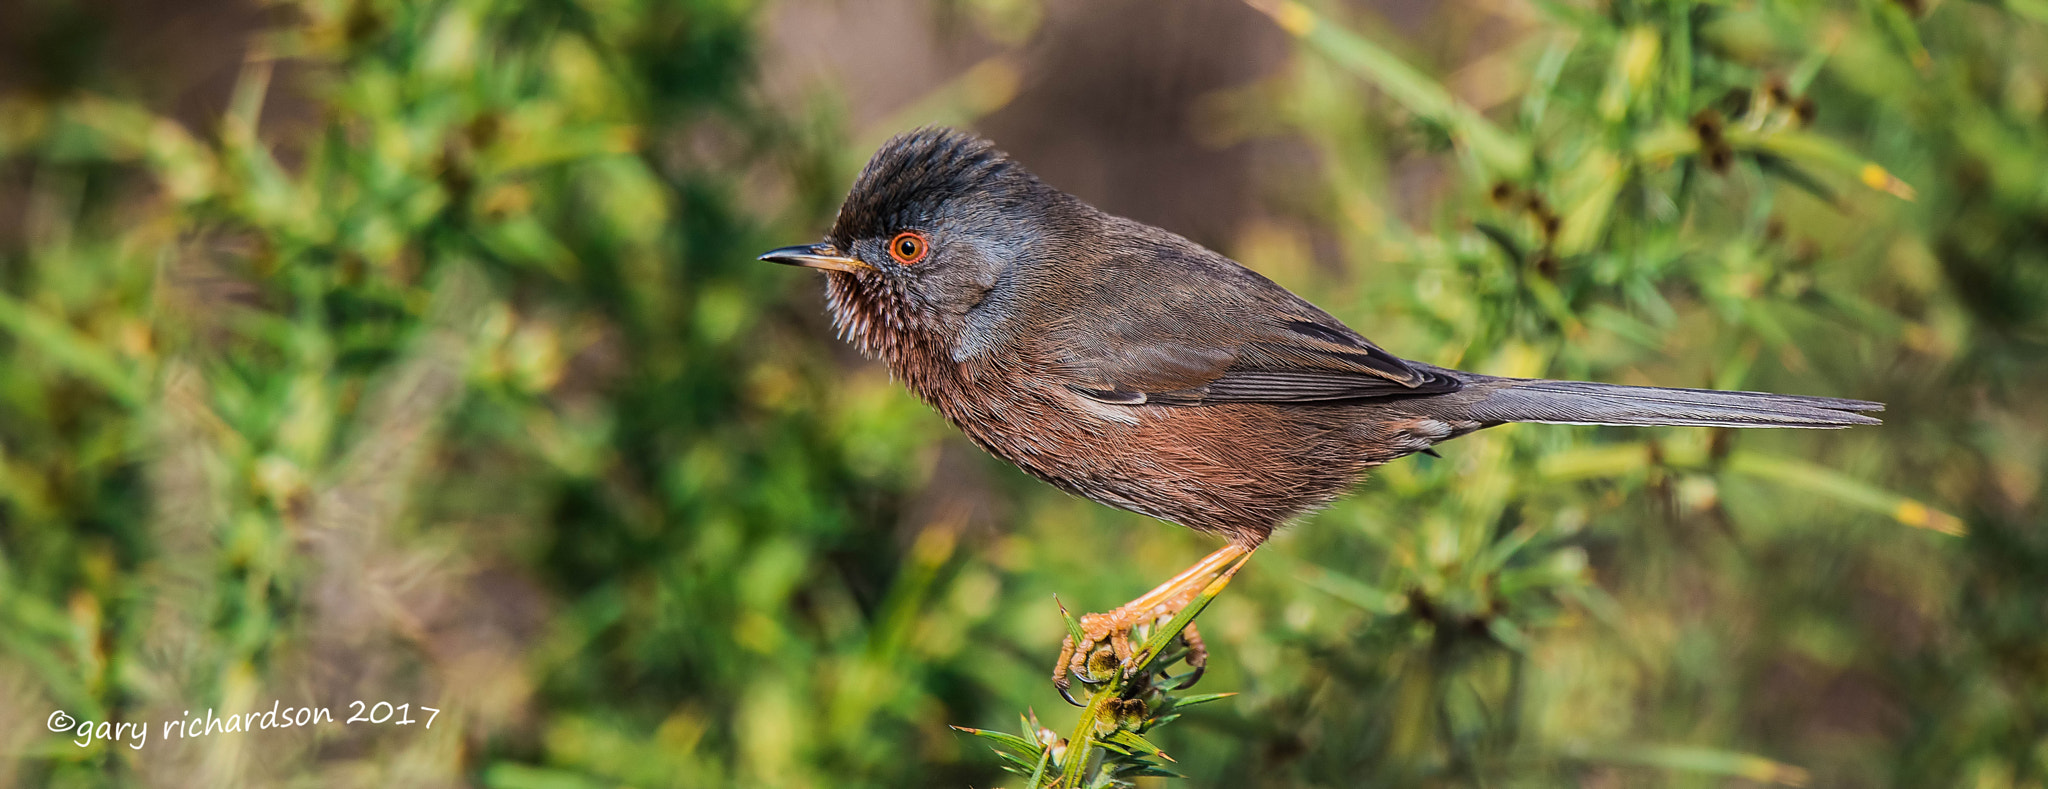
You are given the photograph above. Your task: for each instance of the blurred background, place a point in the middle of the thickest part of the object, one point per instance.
(416, 352)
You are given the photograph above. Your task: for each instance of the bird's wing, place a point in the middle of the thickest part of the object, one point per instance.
(1190, 329)
(1284, 363)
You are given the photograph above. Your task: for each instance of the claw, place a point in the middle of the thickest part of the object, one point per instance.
(1192, 678)
(1061, 686)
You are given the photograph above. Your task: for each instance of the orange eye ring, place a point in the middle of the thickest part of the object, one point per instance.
(908, 247)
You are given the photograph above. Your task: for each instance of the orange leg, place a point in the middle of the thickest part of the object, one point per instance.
(1113, 629)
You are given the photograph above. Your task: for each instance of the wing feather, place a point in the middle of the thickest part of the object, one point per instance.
(1168, 322)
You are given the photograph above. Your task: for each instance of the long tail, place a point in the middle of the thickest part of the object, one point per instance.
(1584, 403)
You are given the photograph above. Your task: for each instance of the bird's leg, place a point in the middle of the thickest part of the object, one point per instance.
(1111, 632)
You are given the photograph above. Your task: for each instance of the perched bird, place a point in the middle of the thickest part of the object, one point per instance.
(1129, 365)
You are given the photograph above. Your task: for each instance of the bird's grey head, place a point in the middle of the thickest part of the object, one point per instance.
(931, 238)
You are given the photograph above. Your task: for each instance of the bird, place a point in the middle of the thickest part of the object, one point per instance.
(1131, 366)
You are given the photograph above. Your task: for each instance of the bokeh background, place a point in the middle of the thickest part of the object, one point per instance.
(416, 352)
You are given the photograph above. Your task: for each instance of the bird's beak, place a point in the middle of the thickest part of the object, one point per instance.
(823, 256)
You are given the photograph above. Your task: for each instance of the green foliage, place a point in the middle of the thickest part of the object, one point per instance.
(1131, 697)
(437, 370)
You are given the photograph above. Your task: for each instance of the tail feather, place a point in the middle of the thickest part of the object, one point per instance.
(1585, 403)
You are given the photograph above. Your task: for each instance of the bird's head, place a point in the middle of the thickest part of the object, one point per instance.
(929, 244)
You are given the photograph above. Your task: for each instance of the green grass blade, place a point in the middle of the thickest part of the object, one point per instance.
(1503, 153)
(1711, 761)
(1158, 640)
(82, 356)
(1833, 484)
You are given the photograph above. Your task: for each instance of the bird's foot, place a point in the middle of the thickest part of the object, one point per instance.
(1105, 650)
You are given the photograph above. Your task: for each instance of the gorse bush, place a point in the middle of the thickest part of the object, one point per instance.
(437, 370)
(413, 402)
(1710, 195)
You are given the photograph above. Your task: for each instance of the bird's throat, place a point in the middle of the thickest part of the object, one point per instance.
(879, 320)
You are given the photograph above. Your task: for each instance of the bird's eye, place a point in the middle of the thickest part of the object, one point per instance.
(908, 247)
